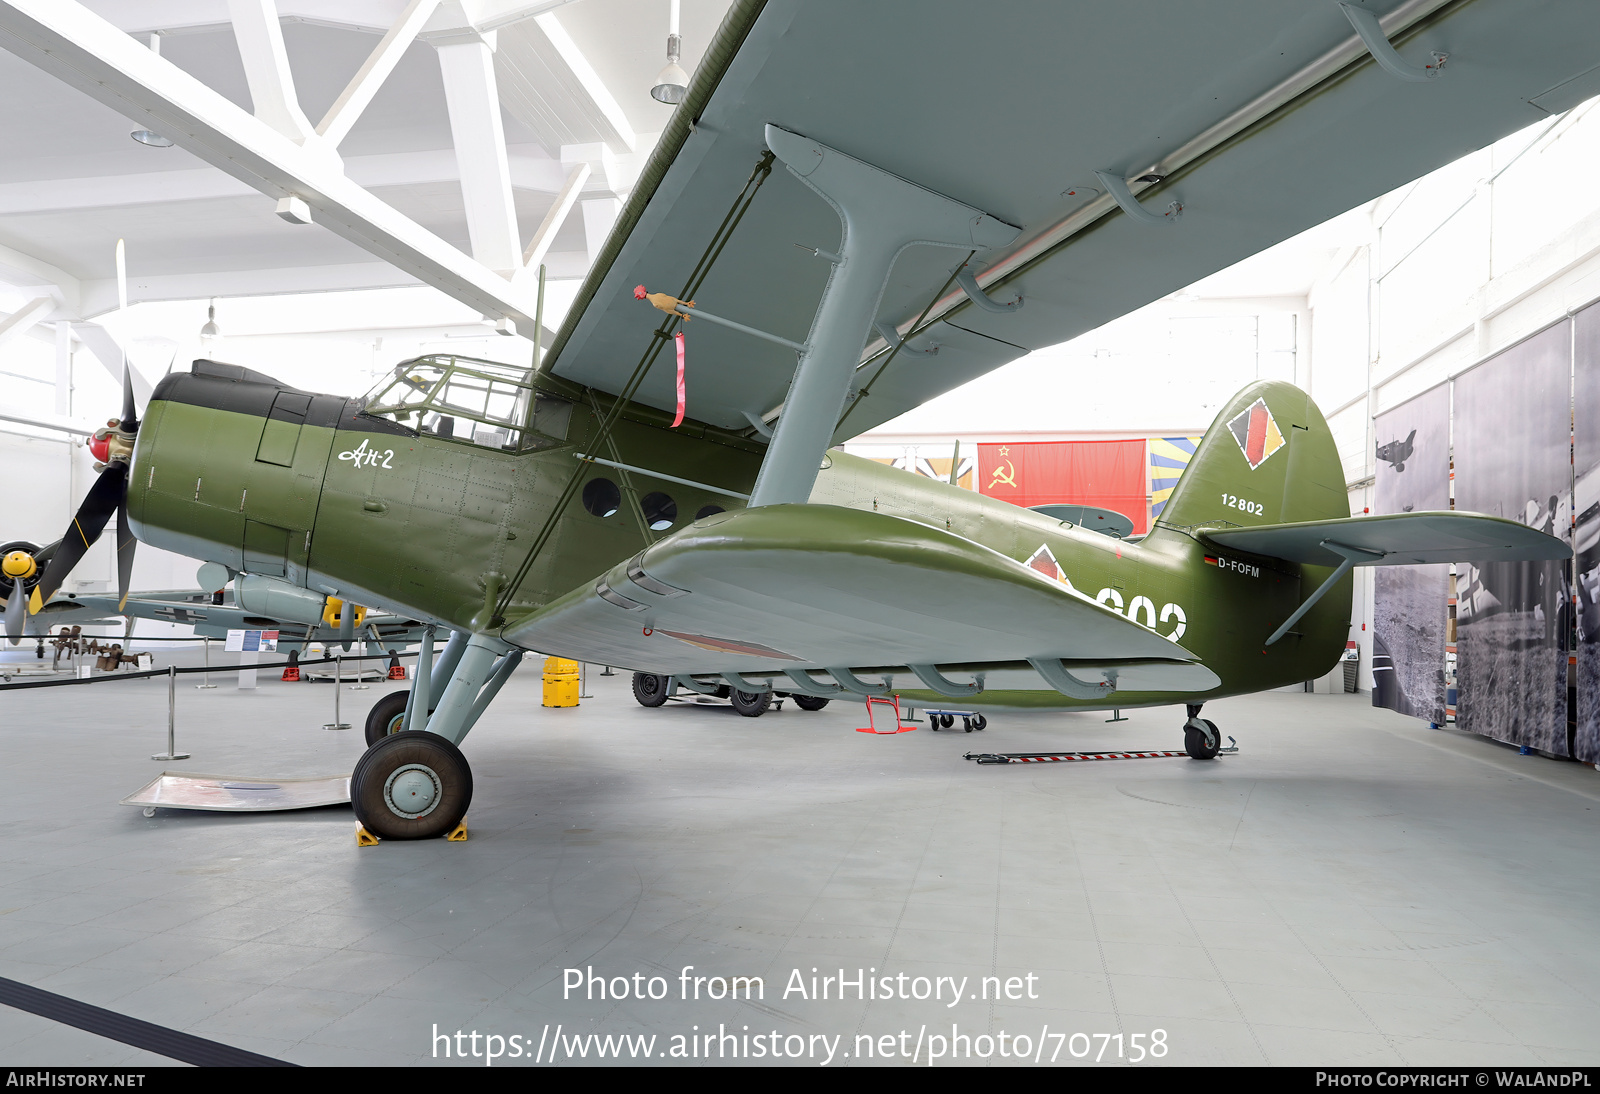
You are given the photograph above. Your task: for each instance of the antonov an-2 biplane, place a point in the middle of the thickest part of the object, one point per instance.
(864, 206)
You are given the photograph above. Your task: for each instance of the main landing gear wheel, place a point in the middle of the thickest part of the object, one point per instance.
(651, 690)
(387, 716)
(1195, 741)
(411, 785)
(809, 702)
(752, 704)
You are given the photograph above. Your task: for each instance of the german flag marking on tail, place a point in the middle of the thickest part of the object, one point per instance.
(1257, 433)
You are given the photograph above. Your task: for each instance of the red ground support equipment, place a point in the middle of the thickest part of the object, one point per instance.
(396, 670)
(879, 711)
(291, 671)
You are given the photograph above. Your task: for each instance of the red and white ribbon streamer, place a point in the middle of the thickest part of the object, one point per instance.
(677, 421)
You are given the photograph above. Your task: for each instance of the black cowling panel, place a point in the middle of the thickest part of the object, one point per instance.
(245, 391)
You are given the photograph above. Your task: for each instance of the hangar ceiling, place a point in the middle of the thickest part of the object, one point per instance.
(572, 81)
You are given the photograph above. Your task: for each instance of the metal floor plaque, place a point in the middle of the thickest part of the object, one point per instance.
(236, 794)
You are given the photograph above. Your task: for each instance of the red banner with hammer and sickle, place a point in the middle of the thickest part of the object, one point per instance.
(1106, 474)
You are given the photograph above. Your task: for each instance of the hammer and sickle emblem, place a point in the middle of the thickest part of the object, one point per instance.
(1006, 474)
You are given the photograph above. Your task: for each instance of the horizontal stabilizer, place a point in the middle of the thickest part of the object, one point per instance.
(1395, 539)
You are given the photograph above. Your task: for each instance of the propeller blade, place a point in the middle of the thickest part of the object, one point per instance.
(130, 413)
(122, 276)
(16, 612)
(126, 545)
(102, 501)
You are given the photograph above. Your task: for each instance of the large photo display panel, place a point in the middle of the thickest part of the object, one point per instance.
(1512, 459)
(1586, 536)
(1410, 603)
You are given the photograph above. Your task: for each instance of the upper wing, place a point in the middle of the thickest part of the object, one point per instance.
(1397, 539)
(1262, 117)
(819, 586)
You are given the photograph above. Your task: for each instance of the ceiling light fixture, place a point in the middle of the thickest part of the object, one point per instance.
(211, 330)
(672, 84)
(146, 136)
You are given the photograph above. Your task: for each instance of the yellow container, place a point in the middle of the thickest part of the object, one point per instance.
(560, 691)
(560, 682)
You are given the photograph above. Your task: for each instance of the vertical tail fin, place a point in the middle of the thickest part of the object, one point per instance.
(1268, 458)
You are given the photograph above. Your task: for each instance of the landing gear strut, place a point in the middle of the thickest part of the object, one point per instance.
(414, 783)
(1200, 737)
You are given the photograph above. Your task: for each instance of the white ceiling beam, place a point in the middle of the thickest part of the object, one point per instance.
(25, 271)
(68, 41)
(100, 296)
(531, 170)
(557, 216)
(62, 337)
(549, 85)
(19, 321)
(367, 16)
(347, 108)
(615, 128)
(599, 215)
(479, 137)
(266, 68)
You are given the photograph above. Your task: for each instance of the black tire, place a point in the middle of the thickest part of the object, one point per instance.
(422, 771)
(651, 690)
(966, 724)
(387, 716)
(947, 720)
(808, 702)
(979, 722)
(1194, 742)
(751, 704)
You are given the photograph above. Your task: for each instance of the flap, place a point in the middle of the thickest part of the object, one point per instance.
(1401, 539)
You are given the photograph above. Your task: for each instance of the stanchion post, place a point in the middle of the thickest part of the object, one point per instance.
(207, 677)
(172, 752)
(338, 686)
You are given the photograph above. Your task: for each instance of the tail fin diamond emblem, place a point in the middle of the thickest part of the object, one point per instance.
(1256, 432)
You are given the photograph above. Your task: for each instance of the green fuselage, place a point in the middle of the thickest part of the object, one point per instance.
(362, 508)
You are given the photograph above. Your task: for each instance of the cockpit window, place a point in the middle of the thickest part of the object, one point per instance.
(461, 398)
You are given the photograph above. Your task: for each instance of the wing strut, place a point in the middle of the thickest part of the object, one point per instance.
(1353, 556)
(882, 215)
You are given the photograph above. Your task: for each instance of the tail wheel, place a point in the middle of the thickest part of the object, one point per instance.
(1195, 743)
(809, 702)
(411, 785)
(752, 704)
(651, 690)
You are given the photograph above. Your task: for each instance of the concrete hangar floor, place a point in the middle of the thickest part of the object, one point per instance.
(1350, 888)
